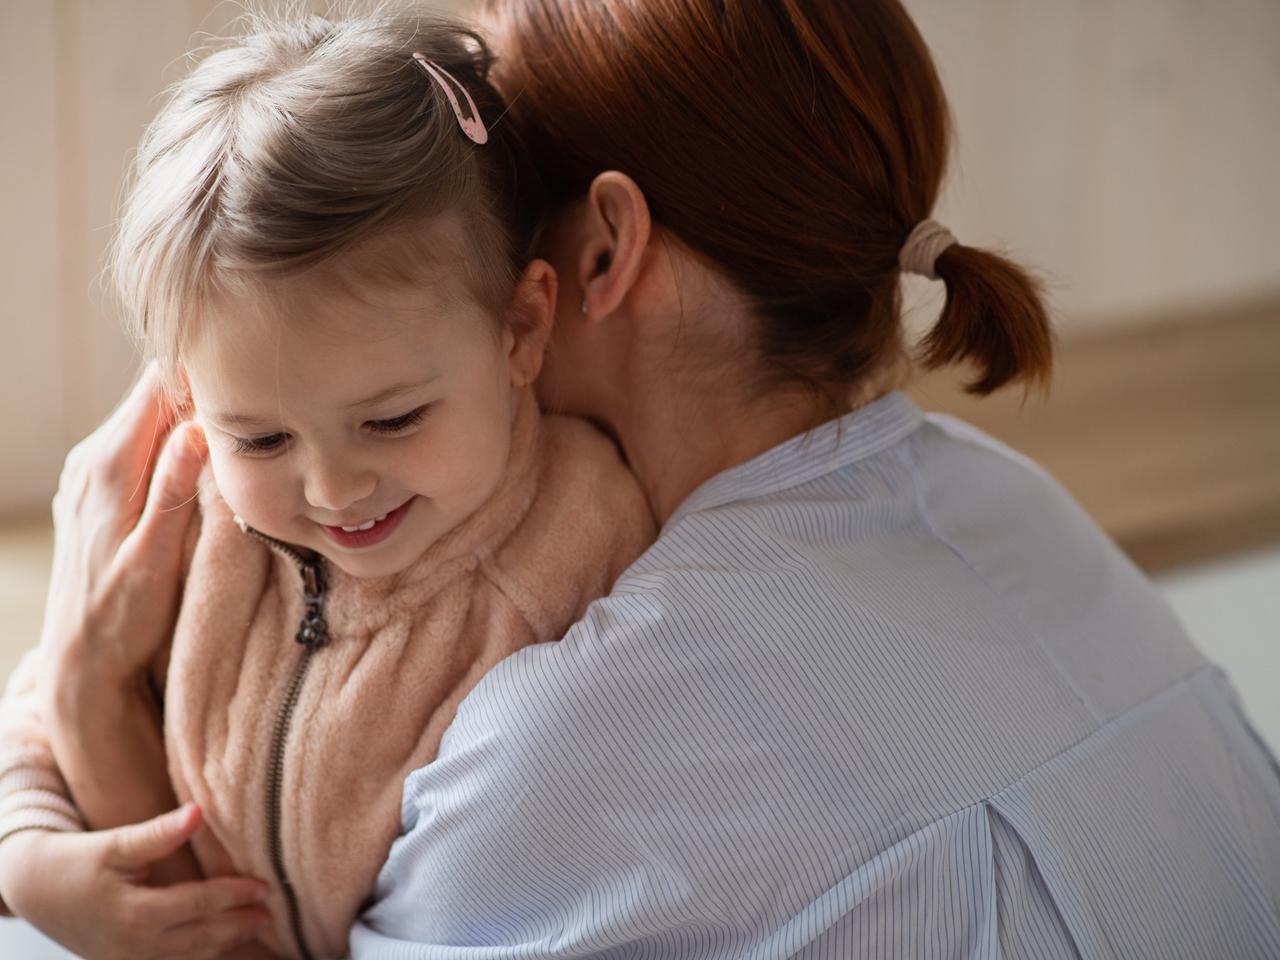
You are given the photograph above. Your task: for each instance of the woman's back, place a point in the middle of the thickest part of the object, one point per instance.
(884, 691)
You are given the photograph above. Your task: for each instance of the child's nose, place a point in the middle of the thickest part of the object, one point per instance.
(333, 485)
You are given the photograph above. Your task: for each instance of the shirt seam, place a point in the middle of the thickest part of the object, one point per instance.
(926, 517)
(1120, 719)
(992, 799)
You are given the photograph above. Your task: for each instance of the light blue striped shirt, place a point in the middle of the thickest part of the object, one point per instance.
(883, 691)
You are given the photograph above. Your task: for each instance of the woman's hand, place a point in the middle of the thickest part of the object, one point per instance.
(88, 891)
(124, 504)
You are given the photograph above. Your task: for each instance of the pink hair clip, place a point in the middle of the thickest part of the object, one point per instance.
(472, 126)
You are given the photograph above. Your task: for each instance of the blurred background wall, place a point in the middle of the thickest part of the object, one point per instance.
(1127, 149)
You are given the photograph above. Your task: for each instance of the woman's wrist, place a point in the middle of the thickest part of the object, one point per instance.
(82, 690)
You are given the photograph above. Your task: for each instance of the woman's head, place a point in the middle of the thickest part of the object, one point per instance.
(309, 231)
(790, 145)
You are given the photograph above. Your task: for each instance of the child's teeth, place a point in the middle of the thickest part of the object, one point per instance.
(367, 525)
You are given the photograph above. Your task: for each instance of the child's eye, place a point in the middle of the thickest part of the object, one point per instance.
(400, 423)
(259, 446)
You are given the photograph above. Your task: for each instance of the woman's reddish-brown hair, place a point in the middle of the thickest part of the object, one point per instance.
(795, 143)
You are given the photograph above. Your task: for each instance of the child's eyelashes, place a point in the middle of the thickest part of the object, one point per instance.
(273, 443)
(258, 446)
(401, 423)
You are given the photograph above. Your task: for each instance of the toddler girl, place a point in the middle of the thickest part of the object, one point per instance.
(327, 249)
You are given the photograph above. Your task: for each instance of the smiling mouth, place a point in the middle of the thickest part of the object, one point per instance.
(370, 532)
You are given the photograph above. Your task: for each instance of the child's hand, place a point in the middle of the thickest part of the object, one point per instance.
(88, 891)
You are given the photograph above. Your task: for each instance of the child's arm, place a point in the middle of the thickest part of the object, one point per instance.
(87, 891)
(33, 795)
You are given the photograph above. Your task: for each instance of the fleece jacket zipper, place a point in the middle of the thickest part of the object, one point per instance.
(312, 634)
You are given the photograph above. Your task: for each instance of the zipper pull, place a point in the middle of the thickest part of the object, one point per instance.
(313, 632)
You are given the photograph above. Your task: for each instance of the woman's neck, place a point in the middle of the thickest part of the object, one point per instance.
(676, 440)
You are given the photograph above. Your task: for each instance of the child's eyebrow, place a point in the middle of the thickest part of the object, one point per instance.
(392, 392)
(236, 420)
(382, 396)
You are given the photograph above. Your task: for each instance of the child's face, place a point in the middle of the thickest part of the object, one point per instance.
(335, 412)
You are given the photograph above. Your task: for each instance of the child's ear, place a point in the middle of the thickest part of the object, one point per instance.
(529, 319)
(180, 397)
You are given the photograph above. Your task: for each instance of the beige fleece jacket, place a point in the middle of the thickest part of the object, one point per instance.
(304, 751)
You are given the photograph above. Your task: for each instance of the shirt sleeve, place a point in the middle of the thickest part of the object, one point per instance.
(33, 794)
(507, 849)
(455, 882)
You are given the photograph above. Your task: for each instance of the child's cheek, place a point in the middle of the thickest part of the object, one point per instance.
(476, 463)
(246, 486)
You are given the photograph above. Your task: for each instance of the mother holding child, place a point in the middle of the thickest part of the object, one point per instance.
(569, 576)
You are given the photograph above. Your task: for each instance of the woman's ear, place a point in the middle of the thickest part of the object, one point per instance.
(530, 316)
(617, 229)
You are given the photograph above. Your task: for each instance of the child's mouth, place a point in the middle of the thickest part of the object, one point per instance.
(370, 532)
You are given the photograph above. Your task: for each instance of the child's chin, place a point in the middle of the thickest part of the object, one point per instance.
(367, 568)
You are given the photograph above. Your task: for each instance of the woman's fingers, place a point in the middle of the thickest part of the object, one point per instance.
(146, 417)
(143, 403)
(160, 534)
(112, 464)
(133, 848)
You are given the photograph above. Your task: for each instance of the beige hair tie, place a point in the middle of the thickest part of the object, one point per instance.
(923, 247)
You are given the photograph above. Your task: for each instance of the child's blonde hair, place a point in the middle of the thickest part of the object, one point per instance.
(304, 138)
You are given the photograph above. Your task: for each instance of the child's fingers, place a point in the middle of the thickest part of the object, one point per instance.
(196, 900)
(138, 845)
(213, 936)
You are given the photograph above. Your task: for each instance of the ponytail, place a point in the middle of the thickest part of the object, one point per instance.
(993, 317)
(796, 182)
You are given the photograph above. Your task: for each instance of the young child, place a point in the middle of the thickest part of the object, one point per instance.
(328, 250)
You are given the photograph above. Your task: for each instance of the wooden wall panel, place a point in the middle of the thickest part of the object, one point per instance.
(32, 210)
(1127, 150)
(1167, 433)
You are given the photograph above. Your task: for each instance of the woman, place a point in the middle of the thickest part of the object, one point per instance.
(880, 688)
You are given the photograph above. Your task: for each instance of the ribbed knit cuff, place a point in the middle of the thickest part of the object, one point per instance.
(33, 796)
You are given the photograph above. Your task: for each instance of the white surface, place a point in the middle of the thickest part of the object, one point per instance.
(1232, 611)
(18, 941)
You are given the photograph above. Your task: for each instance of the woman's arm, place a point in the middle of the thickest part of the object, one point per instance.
(125, 503)
(109, 745)
(108, 619)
